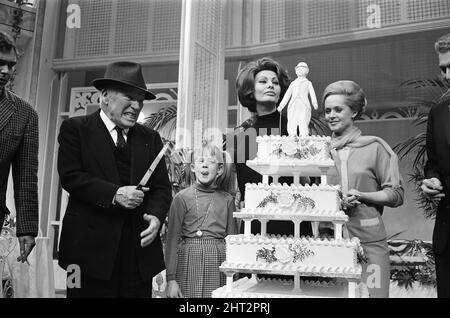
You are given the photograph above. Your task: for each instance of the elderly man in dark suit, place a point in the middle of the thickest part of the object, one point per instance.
(19, 149)
(437, 172)
(111, 228)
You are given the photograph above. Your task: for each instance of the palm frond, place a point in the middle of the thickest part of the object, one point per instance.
(428, 206)
(163, 121)
(436, 87)
(319, 127)
(420, 159)
(411, 145)
(395, 235)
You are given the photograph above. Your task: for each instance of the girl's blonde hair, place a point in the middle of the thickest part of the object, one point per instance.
(223, 181)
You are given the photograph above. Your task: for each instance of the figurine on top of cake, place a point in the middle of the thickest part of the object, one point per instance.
(299, 105)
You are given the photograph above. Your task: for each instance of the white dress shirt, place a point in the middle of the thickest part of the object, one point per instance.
(110, 126)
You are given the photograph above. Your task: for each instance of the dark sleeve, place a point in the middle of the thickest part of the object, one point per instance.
(176, 217)
(160, 193)
(74, 179)
(234, 144)
(232, 227)
(24, 171)
(284, 121)
(244, 174)
(431, 168)
(241, 170)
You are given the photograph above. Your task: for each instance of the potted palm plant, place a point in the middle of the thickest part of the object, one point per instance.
(430, 92)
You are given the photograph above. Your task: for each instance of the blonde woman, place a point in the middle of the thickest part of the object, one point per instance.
(370, 180)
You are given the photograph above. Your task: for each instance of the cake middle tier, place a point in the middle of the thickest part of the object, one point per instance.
(293, 198)
(293, 256)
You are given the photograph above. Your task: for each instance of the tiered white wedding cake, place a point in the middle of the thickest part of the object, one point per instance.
(335, 260)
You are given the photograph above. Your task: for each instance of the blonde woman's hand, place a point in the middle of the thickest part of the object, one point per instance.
(351, 199)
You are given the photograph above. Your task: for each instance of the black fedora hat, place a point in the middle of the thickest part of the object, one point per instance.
(124, 73)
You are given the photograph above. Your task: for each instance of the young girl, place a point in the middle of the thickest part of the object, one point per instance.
(200, 217)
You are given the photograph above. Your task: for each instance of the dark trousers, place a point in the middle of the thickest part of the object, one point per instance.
(442, 261)
(126, 280)
(2, 219)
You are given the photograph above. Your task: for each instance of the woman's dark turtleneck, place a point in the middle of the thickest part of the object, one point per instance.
(245, 143)
(264, 124)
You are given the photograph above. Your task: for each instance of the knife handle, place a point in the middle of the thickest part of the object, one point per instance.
(139, 187)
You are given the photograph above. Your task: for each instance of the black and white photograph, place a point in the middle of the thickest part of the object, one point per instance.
(229, 152)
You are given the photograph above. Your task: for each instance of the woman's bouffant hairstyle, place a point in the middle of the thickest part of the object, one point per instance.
(245, 81)
(354, 95)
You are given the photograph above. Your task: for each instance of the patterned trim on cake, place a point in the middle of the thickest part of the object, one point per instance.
(272, 198)
(302, 270)
(304, 203)
(245, 288)
(295, 252)
(302, 152)
(278, 239)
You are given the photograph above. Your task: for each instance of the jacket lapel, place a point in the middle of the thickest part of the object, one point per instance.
(140, 154)
(7, 108)
(99, 141)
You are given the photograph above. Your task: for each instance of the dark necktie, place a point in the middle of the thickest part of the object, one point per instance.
(120, 139)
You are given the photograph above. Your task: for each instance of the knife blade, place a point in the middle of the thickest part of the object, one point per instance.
(152, 168)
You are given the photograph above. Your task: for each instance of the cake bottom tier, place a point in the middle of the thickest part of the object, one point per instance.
(275, 288)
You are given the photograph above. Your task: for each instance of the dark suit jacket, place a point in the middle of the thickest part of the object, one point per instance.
(438, 165)
(19, 142)
(92, 225)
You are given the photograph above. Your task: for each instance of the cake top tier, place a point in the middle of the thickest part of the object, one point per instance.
(275, 150)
